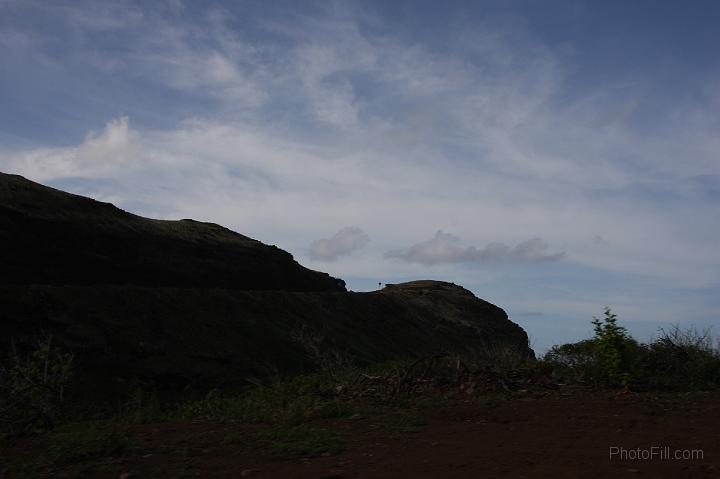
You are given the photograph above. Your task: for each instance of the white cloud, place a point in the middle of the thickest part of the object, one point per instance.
(446, 248)
(117, 145)
(343, 243)
(284, 190)
(117, 150)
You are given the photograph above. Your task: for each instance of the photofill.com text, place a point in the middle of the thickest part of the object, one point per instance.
(655, 453)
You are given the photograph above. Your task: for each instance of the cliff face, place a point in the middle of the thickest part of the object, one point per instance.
(171, 304)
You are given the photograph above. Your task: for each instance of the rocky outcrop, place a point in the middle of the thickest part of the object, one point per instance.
(171, 304)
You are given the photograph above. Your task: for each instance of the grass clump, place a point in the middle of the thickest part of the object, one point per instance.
(290, 400)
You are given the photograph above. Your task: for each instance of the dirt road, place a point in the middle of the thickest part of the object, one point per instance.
(559, 435)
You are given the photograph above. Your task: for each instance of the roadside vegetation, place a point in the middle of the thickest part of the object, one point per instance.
(293, 417)
(281, 417)
(676, 360)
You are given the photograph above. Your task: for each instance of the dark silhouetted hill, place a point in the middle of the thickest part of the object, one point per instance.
(52, 237)
(173, 304)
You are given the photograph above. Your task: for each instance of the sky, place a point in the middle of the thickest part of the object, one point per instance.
(552, 157)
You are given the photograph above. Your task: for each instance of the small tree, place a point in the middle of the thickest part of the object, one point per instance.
(611, 343)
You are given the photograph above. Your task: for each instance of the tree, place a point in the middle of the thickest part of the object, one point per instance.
(612, 343)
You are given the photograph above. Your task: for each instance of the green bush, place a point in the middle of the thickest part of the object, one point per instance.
(573, 360)
(675, 361)
(33, 387)
(679, 360)
(613, 351)
(605, 360)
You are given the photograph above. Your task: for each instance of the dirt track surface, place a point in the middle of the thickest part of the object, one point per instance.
(556, 436)
(561, 434)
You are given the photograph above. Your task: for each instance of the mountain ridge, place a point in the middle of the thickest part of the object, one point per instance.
(167, 305)
(70, 239)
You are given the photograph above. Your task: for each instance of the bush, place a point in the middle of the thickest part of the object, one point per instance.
(605, 360)
(613, 351)
(33, 387)
(676, 361)
(573, 360)
(679, 360)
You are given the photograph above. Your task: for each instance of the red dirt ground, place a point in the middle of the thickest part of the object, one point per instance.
(563, 434)
(555, 436)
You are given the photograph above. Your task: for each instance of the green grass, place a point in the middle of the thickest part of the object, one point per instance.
(397, 385)
(291, 400)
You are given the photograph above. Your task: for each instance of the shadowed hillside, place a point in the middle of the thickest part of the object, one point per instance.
(171, 304)
(52, 237)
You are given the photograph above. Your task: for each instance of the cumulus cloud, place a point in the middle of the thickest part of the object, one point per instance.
(117, 144)
(344, 242)
(446, 248)
(114, 150)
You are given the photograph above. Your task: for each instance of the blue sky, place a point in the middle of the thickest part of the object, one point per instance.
(553, 157)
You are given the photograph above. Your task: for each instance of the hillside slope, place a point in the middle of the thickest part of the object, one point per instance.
(52, 237)
(171, 304)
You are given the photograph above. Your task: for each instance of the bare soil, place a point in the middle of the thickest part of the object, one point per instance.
(566, 433)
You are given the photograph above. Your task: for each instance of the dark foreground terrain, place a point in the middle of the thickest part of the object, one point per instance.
(557, 434)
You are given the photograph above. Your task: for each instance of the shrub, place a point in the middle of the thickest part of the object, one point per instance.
(573, 360)
(33, 387)
(678, 360)
(604, 360)
(613, 351)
